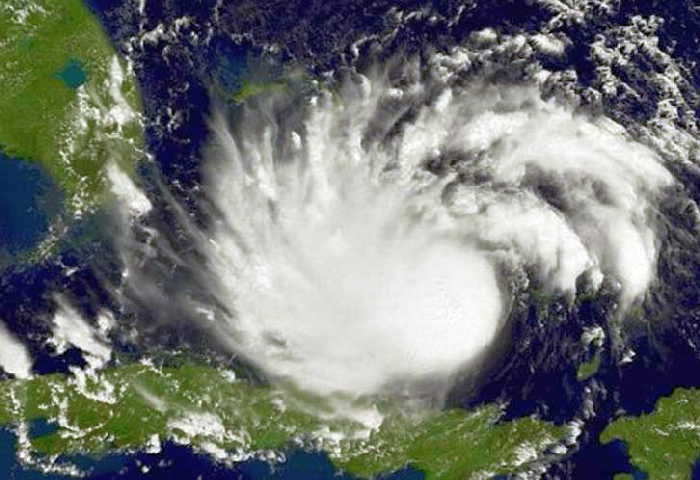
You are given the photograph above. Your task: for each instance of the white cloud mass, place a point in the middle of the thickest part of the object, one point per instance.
(362, 235)
(71, 329)
(14, 357)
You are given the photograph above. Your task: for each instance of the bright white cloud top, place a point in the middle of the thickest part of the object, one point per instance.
(363, 235)
(14, 357)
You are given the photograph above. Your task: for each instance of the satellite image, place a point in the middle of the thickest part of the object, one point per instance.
(350, 239)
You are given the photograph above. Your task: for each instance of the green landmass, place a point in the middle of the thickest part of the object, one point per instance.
(592, 339)
(587, 369)
(240, 78)
(138, 406)
(250, 88)
(666, 442)
(66, 100)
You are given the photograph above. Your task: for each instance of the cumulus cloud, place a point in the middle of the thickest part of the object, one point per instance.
(127, 192)
(70, 329)
(360, 237)
(566, 193)
(14, 357)
(333, 283)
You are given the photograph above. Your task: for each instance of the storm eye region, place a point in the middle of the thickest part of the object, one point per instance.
(351, 322)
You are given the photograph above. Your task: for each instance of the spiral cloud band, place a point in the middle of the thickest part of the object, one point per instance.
(363, 234)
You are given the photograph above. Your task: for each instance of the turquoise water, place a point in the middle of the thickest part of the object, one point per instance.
(73, 74)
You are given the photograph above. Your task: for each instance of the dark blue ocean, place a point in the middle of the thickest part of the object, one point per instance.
(181, 463)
